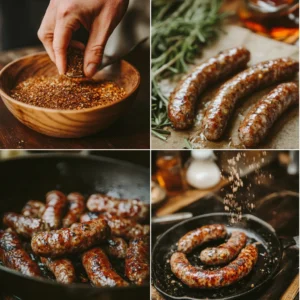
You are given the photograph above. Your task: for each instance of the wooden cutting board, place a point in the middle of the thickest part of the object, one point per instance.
(285, 133)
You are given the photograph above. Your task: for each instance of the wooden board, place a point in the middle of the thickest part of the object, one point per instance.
(285, 133)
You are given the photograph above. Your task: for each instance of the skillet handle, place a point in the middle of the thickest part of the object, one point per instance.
(287, 242)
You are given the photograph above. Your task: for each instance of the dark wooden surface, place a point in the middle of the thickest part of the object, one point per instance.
(130, 132)
(277, 202)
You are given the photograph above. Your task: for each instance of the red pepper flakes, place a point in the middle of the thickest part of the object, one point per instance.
(61, 92)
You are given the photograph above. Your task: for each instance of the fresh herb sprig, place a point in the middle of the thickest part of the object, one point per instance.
(180, 29)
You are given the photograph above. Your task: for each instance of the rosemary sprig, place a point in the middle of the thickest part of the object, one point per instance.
(180, 29)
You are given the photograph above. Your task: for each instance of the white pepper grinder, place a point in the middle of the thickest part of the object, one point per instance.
(202, 171)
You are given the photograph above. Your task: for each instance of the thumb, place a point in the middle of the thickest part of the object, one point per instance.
(95, 49)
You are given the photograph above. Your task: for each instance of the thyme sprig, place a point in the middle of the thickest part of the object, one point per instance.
(180, 29)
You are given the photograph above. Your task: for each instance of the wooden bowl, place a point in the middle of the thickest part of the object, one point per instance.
(66, 123)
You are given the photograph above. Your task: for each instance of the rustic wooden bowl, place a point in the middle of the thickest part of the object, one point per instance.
(66, 123)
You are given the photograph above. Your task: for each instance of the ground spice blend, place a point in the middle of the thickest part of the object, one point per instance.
(60, 92)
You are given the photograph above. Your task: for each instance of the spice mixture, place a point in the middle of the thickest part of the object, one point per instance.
(61, 92)
(74, 62)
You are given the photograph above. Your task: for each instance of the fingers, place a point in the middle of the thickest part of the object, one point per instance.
(62, 36)
(46, 31)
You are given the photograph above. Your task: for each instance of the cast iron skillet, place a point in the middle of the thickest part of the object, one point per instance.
(269, 258)
(31, 177)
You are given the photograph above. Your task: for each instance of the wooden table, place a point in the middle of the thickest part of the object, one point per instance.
(130, 132)
(277, 202)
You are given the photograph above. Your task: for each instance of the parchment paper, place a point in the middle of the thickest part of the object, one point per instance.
(285, 132)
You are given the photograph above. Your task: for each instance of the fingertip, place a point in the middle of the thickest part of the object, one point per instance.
(90, 69)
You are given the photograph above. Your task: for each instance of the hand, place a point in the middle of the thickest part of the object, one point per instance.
(63, 17)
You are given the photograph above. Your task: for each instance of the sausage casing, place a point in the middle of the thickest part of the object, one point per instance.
(99, 269)
(182, 102)
(137, 267)
(195, 277)
(201, 235)
(56, 203)
(15, 257)
(117, 247)
(77, 238)
(76, 208)
(33, 209)
(225, 252)
(127, 208)
(258, 76)
(265, 112)
(25, 226)
(62, 269)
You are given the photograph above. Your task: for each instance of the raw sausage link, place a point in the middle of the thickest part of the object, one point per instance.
(117, 247)
(25, 226)
(15, 257)
(225, 252)
(195, 277)
(265, 112)
(76, 208)
(62, 269)
(127, 208)
(201, 235)
(182, 103)
(77, 238)
(56, 202)
(137, 260)
(259, 76)
(33, 209)
(99, 269)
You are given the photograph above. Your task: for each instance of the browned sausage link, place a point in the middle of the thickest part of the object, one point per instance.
(137, 260)
(155, 295)
(77, 238)
(33, 209)
(62, 269)
(201, 235)
(55, 205)
(76, 208)
(182, 103)
(195, 277)
(127, 208)
(125, 228)
(99, 269)
(14, 256)
(225, 252)
(261, 75)
(25, 226)
(88, 216)
(265, 112)
(117, 247)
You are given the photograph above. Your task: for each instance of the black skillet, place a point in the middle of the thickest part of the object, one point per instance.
(31, 177)
(269, 258)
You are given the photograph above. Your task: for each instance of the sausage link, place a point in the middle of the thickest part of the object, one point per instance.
(99, 269)
(195, 277)
(182, 103)
(33, 209)
(56, 203)
(201, 235)
(225, 252)
(256, 77)
(77, 238)
(62, 269)
(15, 257)
(265, 112)
(117, 247)
(137, 260)
(24, 226)
(127, 208)
(76, 208)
